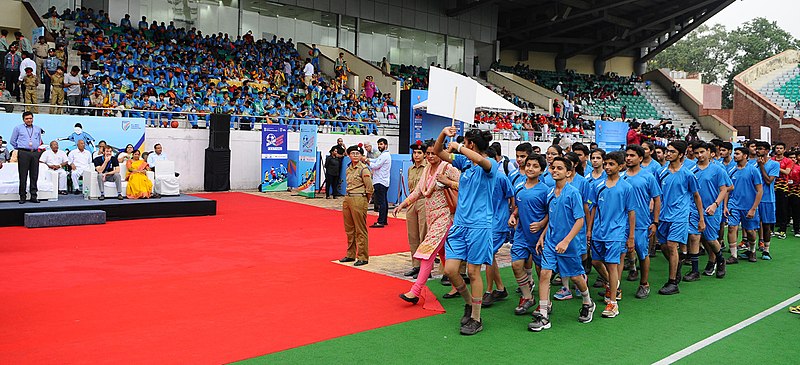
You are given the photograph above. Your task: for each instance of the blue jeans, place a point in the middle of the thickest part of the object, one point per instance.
(379, 200)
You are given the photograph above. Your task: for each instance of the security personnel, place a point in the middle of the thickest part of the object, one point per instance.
(40, 53)
(50, 65)
(30, 82)
(354, 208)
(57, 79)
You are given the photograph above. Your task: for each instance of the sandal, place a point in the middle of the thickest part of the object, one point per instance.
(795, 309)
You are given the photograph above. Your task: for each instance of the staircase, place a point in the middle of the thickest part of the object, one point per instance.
(668, 109)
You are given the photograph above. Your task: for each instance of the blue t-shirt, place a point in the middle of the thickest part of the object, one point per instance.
(773, 168)
(475, 188)
(612, 205)
(645, 188)
(744, 187)
(516, 178)
(564, 210)
(532, 205)
(502, 192)
(689, 163)
(547, 178)
(583, 186)
(591, 179)
(653, 168)
(677, 194)
(709, 180)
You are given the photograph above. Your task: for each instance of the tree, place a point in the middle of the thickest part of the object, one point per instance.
(703, 50)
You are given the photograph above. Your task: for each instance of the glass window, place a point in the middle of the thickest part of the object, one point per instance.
(455, 54)
(347, 33)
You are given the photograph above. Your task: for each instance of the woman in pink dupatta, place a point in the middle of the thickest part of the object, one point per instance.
(436, 177)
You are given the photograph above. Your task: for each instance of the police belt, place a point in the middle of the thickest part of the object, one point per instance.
(357, 194)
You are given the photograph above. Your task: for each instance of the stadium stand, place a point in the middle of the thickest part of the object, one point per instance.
(784, 91)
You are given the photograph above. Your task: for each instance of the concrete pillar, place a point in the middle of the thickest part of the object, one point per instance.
(640, 67)
(561, 64)
(599, 66)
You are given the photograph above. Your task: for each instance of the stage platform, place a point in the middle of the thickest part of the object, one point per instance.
(12, 213)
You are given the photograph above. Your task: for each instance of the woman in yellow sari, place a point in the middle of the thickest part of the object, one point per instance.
(139, 186)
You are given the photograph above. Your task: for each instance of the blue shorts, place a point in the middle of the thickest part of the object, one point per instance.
(711, 233)
(473, 245)
(522, 248)
(498, 239)
(672, 232)
(766, 212)
(739, 216)
(608, 251)
(641, 242)
(566, 266)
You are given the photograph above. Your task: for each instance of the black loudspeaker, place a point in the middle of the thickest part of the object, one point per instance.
(217, 171)
(220, 133)
(405, 121)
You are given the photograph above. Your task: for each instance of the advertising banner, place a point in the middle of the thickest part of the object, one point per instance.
(274, 158)
(610, 136)
(425, 126)
(307, 164)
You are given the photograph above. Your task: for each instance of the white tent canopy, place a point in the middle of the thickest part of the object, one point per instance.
(454, 96)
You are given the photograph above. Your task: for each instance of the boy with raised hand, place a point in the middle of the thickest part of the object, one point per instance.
(645, 190)
(529, 218)
(679, 196)
(558, 246)
(741, 206)
(712, 184)
(769, 169)
(611, 226)
(501, 197)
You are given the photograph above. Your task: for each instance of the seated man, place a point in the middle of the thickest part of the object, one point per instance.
(158, 155)
(107, 167)
(80, 159)
(56, 160)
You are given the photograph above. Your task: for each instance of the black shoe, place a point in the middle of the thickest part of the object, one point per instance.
(120, 197)
(451, 296)
(669, 289)
(62, 192)
(22, 201)
(465, 277)
(376, 225)
(710, 269)
(414, 300)
(751, 256)
(599, 283)
(360, 263)
(487, 300)
(77, 192)
(34, 200)
(101, 198)
(500, 295)
(467, 314)
(446, 281)
(471, 327)
(692, 276)
(346, 259)
(732, 261)
(721, 269)
(412, 272)
(633, 275)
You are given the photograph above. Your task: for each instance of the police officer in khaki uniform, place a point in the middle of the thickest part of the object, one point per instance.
(354, 208)
(57, 94)
(40, 54)
(30, 82)
(415, 215)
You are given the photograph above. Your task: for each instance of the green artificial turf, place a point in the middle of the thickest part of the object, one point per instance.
(644, 332)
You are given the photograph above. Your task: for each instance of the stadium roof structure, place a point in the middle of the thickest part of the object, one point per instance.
(604, 28)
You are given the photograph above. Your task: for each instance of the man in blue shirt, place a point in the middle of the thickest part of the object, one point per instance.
(645, 190)
(741, 206)
(612, 226)
(679, 196)
(769, 169)
(26, 139)
(712, 184)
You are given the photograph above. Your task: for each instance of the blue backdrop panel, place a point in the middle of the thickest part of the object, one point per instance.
(426, 126)
(610, 135)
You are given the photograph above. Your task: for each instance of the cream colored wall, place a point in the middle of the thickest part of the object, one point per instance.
(582, 63)
(693, 87)
(11, 16)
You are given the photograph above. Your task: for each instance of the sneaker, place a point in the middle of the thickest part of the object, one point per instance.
(692, 276)
(446, 280)
(669, 289)
(781, 235)
(751, 256)
(794, 309)
(710, 269)
(619, 294)
(487, 300)
(471, 327)
(765, 256)
(599, 283)
(587, 313)
(761, 246)
(797, 235)
(611, 311)
(523, 306)
(467, 314)
(732, 260)
(563, 294)
(633, 275)
(721, 269)
(539, 323)
(499, 295)
(643, 292)
(628, 264)
(605, 293)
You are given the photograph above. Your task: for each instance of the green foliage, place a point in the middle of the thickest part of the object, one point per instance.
(721, 54)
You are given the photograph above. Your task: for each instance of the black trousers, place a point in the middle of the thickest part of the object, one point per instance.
(794, 211)
(781, 210)
(331, 185)
(28, 164)
(12, 83)
(380, 201)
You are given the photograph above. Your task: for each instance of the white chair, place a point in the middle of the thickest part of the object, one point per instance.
(165, 182)
(9, 183)
(92, 189)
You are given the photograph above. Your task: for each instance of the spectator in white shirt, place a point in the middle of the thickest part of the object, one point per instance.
(381, 169)
(80, 159)
(27, 61)
(157, 155)
(56, 160)
(308, 72)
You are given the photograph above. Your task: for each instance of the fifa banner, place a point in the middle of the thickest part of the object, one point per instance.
(307, 164)
(67, 130)
(610, 136)
(274, 158)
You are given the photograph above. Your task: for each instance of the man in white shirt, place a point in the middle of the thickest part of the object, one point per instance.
(308, 72)
(80, 159)
(159, 155)
(381, 169)
(27, 61)
(56, 160)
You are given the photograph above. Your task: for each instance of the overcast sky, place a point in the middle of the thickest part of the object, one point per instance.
(785, 12)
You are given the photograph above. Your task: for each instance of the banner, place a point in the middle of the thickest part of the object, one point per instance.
(274, 158)
(426, 126)
(117, 132)
(307, 164)
(611, 136)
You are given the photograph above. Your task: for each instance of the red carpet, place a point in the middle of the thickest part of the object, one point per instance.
(254, 279)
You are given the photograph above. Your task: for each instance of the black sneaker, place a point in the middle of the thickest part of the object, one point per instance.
(499, 295)
(751, 256)
(633, 275)
(446, 280)
(599, 283)
(628, 264)
(721, 269)
(487, 300)
(556, 280)
(586, 313)
(471, 327)
(643, 292)
(732, 260)
(467, 314)
(710, 269)
(669, 289)
(692, 276)
(101, 197)
(466, 278)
